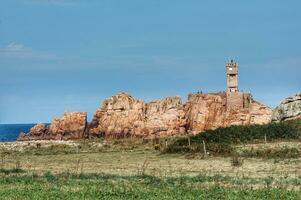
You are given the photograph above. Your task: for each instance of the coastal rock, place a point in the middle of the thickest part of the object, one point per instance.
(165, 117)
(122, 115)
(38, 129)
(260, 113)
(125, 116)
(211, 111)
(289, 109)
(36, 132)
(73, 125)
(205, 111)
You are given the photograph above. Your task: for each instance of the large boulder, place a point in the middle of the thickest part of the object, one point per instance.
(288, 109)
(73, 125)
(38, 129)
(119, 116)
(37, 132)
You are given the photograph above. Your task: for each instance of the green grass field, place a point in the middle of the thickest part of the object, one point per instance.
(254, 168)
(101, 186)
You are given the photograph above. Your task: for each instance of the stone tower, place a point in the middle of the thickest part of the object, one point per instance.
(235, 98)
(232, 77)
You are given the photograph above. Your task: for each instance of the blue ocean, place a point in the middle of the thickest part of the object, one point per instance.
(10, 132)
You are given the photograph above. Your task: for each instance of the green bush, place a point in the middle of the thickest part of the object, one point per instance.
(50, 177)
(285, 152)
(242, 134)
(12, 171)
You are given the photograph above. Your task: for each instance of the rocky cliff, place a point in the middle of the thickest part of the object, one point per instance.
(211, 111)
(289, 109)
(73, 125)
(125, 116)
(122, 115)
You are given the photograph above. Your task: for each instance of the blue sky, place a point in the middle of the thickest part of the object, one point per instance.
(69, 55)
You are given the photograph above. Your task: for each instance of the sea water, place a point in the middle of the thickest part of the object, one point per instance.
(10, 132)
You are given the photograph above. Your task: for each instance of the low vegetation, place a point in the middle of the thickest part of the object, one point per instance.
(276, 150)
(222, 141)
(102, 186)
(255, 162)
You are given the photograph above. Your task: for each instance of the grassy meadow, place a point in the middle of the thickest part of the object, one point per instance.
(256, 162)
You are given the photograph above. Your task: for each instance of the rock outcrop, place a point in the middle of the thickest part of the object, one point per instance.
(125, 116)
(289, 109)
(35, 133)
(165, 117)
(122, 115)
(211, 111)
(73, 125)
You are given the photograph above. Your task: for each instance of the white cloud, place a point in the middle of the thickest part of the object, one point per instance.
(14, 47)
(20, 51)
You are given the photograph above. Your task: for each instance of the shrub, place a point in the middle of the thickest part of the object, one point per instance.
(219, 141)
(12, 171)
(241, 134)
(284, 152)
(50, 177)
